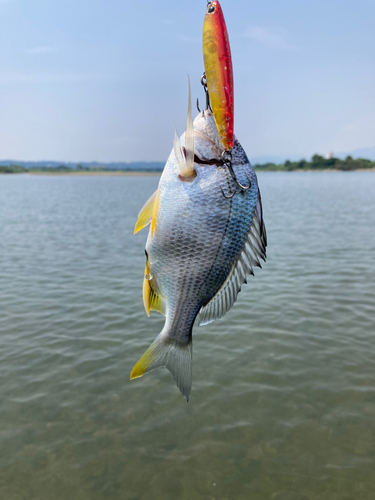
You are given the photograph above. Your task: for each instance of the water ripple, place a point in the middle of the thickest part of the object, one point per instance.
(283, 400)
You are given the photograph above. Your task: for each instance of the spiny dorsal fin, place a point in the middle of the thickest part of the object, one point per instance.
(189, 138)
(145, 215)
(151, 299)
(181, 161)
(186, 164)
(253, 249)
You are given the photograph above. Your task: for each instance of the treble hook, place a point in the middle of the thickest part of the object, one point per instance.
(227, 161)
(231, 171)
(225, 196)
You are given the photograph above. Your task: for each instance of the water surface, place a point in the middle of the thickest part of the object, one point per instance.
(283, 400)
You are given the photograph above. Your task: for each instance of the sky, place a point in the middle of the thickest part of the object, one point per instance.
(95, 80)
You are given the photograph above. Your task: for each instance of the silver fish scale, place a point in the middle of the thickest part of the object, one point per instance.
(198, 238)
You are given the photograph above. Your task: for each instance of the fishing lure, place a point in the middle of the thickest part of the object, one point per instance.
(219, 72)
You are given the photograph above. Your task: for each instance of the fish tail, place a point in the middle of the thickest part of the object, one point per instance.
(175, 356)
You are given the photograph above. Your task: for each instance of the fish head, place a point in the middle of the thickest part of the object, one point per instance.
(207, 141)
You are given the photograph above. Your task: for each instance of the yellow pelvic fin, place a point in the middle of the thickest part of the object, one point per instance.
(151, 299)
(145, 215)
(155, 211)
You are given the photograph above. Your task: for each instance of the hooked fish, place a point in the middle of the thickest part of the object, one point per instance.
(219, 71)
(207, 234)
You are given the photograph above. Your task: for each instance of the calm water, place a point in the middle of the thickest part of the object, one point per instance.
(283, 400)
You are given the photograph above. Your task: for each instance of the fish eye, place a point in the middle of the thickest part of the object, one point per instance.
(211, 9)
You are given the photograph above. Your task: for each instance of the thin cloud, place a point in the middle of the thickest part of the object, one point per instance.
(270, 38)
(41, 50)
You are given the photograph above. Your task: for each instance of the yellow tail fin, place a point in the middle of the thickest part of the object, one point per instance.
(174, 356)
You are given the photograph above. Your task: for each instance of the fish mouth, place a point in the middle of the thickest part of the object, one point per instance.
(216, 159)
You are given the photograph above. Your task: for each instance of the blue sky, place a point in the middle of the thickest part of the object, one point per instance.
(107, 80)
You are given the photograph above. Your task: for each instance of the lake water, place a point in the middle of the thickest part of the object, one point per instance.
(283, 399)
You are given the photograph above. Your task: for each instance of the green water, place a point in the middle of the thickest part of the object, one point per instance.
(283, 400)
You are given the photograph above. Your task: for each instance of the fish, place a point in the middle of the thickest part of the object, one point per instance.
(206, 236)
(218, 67)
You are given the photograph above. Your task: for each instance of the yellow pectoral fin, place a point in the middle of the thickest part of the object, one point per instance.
(151, 299)
(154, 212)
(146, 214)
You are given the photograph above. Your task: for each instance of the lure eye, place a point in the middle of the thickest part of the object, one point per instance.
(211, 9)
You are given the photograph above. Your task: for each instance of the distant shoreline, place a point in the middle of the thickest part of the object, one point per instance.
(112, 173)
(316, 164)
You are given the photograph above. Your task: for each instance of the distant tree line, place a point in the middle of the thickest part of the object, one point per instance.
(19, 169)
(319, 163)
(12, 169)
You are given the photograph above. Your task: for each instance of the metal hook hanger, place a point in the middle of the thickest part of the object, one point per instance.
(204, 84)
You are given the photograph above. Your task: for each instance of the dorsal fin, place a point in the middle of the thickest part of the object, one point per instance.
(151, 299)
(189, 138)
(186, 164)
(253, 249)
(145, 215)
